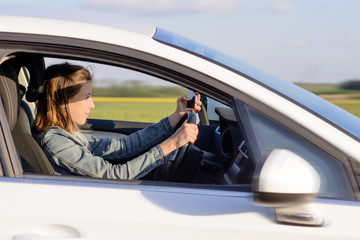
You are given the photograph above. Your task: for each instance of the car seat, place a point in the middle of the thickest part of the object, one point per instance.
(33, 158)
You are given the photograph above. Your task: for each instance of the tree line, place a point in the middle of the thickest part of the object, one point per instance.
(350, 85)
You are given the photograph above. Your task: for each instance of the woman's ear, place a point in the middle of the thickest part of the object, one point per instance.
(63, 108)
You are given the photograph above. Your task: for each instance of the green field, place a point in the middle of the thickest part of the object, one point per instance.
(324, 89)
(134, 111)
(349, 100)
(137, 103)
(352, 106)
(331, 91)
(153, 108)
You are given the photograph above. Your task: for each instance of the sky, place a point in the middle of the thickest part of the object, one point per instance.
(314, 41)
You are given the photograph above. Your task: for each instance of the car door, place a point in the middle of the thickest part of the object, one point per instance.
(73, 208)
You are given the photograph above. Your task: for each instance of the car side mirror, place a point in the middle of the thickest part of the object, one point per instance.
(288, 183)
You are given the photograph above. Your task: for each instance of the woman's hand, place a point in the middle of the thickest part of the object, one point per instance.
(182, 107)
(187, 133)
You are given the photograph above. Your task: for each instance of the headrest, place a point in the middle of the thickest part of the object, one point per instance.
(9, 91)
(9, 86)
(36, 66)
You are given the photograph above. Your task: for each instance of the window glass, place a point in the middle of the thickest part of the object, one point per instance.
(210, 104)
(270, 135)
(127, 95)
(122, 95)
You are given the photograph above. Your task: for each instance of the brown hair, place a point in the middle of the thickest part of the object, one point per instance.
(61, 82)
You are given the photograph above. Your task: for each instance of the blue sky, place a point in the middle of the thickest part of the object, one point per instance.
(314, 41)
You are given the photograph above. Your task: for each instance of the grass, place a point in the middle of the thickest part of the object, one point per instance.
(154, 108)
(348, 100)
(325, 89)
(352, 106)
(140, 110)
(137, 103)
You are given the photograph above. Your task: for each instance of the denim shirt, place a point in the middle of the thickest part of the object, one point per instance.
(86, 155)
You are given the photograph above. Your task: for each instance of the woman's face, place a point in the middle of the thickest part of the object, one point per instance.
(81, 104)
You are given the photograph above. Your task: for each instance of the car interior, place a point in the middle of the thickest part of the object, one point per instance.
(219, 157)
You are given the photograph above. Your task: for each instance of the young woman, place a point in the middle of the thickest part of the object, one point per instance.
(66, 103)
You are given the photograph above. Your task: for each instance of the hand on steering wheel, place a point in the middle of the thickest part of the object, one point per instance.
(176, 157)
(183, 105)
(167, 170)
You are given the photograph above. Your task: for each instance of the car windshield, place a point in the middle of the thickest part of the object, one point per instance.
(327, 111)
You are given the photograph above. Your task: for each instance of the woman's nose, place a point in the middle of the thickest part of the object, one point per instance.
(92, 104)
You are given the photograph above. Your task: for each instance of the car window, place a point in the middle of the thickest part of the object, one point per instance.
(127, 95)
(211, 104)
(122, 95)
(268, 134)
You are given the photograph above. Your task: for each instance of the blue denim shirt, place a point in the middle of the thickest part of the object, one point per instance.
(86, 155)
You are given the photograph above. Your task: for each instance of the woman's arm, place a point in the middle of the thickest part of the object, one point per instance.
(133, 145)
(66, 152)
(142, 140)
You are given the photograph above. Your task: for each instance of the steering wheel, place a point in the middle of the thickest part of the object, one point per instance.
(167, 170)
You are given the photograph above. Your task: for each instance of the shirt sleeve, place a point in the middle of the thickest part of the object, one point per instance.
(130, 146)
(79, 159)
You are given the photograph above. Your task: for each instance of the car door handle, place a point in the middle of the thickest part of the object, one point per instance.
(52, 231)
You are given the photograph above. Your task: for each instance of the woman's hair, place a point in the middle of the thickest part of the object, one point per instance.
(61, 82)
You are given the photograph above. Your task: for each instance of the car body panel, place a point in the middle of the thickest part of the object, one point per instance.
(154, 212)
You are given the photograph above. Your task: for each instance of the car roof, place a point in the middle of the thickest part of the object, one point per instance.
(72, 29)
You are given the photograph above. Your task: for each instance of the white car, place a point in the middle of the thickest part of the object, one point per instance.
(272, 161)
